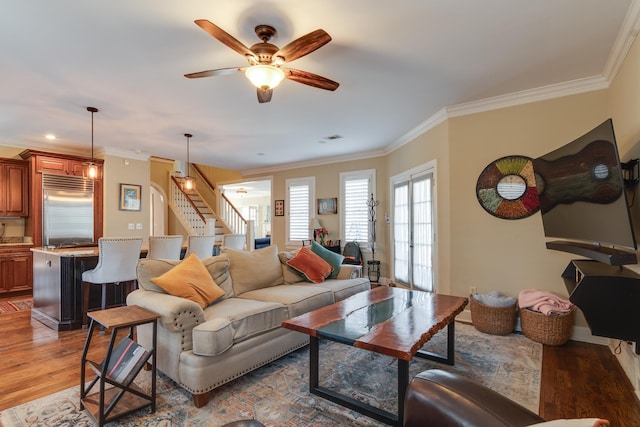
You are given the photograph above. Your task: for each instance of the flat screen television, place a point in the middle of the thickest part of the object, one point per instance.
(581, 192)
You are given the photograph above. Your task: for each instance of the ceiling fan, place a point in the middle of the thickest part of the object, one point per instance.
(265, 69)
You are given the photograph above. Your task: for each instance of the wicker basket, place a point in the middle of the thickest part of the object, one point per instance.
(493, 320)
(547, 329)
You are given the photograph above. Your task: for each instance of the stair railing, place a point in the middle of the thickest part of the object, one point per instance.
(231, 216)
(190, 214)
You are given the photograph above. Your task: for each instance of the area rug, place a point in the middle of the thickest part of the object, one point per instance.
(11, 306)
(277, 394)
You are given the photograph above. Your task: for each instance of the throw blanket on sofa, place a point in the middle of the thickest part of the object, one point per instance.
(543, 301)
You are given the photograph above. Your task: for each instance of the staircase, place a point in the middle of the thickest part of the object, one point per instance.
(198, 217)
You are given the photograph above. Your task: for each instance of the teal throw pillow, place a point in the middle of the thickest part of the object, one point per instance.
(334, 259)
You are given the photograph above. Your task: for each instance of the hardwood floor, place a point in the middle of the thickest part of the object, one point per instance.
(578, 379)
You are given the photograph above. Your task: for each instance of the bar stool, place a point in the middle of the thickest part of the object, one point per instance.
(117, 261)
(202, 246)
(165, 247)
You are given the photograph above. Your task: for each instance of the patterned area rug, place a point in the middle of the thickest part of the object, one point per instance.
(277, 394)
(15, 305)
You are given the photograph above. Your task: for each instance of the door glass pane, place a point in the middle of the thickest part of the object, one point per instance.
(401, 232)
(422, 266)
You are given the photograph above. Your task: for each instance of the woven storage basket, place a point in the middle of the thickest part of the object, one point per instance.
(493, 320)
(549, 330)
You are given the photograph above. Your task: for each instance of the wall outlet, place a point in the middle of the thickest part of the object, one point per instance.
(473, 290)
(131, 226)
(139, 226)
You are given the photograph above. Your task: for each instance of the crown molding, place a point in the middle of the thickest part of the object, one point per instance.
(127, 154)
(430, 123)
(626, 36)
(315, 162)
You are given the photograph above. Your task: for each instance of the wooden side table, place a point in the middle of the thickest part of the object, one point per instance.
(122, 398)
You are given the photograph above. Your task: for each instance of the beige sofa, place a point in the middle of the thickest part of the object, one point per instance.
(201, 349)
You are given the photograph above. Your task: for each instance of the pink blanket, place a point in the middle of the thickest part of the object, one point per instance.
(543, 301)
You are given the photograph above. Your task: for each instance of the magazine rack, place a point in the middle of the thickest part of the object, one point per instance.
(121, 397)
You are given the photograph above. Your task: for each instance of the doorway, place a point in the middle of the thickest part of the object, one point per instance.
(413, 232)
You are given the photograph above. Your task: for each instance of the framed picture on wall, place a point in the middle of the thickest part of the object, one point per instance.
(327, 206)
(130, 197)
(279, 208)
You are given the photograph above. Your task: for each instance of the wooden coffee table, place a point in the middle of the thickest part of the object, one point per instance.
(391, 321)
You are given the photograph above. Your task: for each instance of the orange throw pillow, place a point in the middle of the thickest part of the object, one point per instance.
(191, 280)
(310, 265)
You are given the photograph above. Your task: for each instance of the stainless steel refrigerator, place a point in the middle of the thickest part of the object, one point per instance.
(67, 210)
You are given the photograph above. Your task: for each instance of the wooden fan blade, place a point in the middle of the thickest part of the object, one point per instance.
(264, 95)
(303, 45)
(310, 79)
(218, 72)
(224, 37)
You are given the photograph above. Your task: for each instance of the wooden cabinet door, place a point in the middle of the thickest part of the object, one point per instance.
(77, 168)
(17, 190)
(16, 271)
(52, 165)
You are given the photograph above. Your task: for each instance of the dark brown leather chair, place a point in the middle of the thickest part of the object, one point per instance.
(443, 399)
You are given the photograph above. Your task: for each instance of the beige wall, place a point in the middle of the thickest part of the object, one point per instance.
(10, 152)
(432, 145)
(118, 170)
(328, 186)
(509, 255)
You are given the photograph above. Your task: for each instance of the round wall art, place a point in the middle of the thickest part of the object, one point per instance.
(506, 188)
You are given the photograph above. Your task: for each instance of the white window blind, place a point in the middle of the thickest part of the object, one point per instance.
(356, 190)
(300, 194)
(355, 210)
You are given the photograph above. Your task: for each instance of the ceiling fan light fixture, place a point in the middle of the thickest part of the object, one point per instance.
(264, 76)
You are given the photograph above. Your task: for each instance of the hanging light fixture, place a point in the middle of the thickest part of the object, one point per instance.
(92, 168)
(188, 182)
(264, 77)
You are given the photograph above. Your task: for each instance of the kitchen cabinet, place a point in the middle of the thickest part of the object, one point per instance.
(14, 188)
(42, 162)
(16, 270)
(60, 165)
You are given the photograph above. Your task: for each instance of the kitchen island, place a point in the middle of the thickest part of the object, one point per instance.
(57, 286)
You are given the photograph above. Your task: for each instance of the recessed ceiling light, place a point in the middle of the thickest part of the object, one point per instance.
(50, 136)
(260, 154)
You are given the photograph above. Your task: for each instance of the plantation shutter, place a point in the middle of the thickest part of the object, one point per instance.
(299, 212)
(356, 218)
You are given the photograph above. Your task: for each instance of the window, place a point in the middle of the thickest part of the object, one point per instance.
(413, 234)
(355, 190)
(301, 194)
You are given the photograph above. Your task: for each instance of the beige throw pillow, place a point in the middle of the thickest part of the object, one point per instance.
(251, 270)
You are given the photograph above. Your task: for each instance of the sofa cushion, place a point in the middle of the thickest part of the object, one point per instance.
(246, 317)
(344, 288)
(212, 337)
(190, 279)
(299, 299)
(253, 270)
(218, 267)
(334, 259)
(310, 265)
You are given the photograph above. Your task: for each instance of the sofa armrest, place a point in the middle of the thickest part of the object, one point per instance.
(349, 271)
(177, 314)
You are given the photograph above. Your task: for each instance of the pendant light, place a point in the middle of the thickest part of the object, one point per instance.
(188, 182)
(92, 168)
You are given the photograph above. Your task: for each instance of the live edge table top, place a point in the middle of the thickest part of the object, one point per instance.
(392, 321)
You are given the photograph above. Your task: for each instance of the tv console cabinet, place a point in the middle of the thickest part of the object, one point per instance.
(609, 297)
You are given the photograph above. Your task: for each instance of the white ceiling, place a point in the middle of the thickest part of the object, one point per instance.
(398, 65)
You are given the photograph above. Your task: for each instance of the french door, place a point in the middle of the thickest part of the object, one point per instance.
(414, 230)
